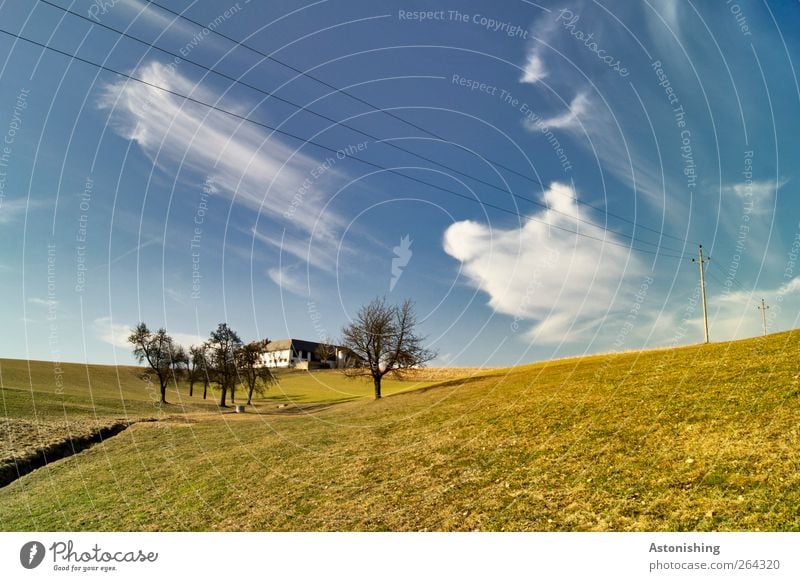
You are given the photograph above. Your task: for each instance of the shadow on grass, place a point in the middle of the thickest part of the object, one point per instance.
(284, 409)
(449, 383)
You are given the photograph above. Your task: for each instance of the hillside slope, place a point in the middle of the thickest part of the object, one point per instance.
(696, 438)
(52, 410)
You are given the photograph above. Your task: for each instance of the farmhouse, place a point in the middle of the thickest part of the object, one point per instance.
(300, 354)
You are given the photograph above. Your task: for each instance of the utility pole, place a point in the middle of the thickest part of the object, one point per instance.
(703, 289)
(763, 308)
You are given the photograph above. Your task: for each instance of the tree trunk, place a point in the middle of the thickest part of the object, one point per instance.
(205, 389)
(163, 393)
(250, 395)
(377, 380)
(191, 386)
(222, 397)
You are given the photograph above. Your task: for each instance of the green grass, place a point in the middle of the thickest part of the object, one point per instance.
(34, 388)
(697, 438)
(42, 403)
(331, 386)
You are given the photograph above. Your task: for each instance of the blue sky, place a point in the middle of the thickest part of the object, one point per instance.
(567, 160)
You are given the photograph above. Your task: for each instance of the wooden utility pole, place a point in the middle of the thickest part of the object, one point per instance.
(763, 308)
(703, 289)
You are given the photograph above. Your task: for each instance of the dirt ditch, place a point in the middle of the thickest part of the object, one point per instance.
(21, 460)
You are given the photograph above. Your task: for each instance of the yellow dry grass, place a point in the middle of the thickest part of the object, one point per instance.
(704, 437)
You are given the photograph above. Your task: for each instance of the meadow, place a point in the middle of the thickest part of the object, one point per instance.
(703, 437)
(46, 405)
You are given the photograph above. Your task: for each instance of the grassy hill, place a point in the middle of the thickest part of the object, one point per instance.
(697, 438)
(45, 405)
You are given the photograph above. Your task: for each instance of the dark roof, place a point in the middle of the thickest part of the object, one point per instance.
(298, 344)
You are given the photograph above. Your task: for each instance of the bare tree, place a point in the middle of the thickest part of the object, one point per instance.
(222, 346)
(160, 352)
(205, 369)
(384, 337)
(350, 360)
(255, 375)
(196, 368)
(325, 351)
(180, 362)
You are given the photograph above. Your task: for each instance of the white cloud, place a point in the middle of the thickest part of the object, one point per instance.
(12, 210)
(745, 221)
(136, 249)
(542, 32)
(594, 127)
(188, 339)
(42, 302)
(670, 13)
(163, 21)
(534, 69)
(792, 286)
(117, 334)
(52, 306)
(561, 283)
(761, 193)
(286, 279)
(175, 295)
(597, 118)
(319, 255)
(735, 314)
(112, 333)
(243, 161)
(571, 119)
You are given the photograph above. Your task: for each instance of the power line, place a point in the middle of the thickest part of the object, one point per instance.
(731, 278)
(406, 122)
(714, 277)
(323, 82)
(369, 135)
(332, 150)
(763, 307)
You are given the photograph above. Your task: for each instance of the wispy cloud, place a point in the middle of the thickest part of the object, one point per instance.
(321, 255)
(670, 13)
(736, 315)
(42, 302)
(117, 334)
(14, 209)
(286, 278)
(51, 305)
(663, 21)
(732, 315)
(593, 125)
(175, 295)
(762, 193)
(159, 19)
(534, 69)
(133, 250)
(244, 162)
(605, 119)
(571, 119)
